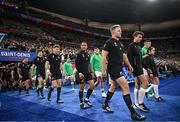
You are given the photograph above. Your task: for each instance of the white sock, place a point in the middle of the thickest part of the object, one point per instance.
(150, 87)
(141, 95)
(156, 92)
(135, 95)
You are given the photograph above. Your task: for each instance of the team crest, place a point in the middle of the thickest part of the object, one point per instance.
(115, 44)
(122, 45)
(121, 73)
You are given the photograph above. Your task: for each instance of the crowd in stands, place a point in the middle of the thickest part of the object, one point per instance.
(9, 77)
(30, 37)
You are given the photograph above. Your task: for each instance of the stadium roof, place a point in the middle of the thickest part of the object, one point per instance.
(113, 11)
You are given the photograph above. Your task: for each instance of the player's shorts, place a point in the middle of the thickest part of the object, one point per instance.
(25, 77)
(138, 70)
(87, 77)
(98, 73)
(56, 76)
(115, 72)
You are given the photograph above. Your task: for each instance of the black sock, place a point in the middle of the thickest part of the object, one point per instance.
(41, 91)
(89, 92)
(128, 102)
(38, 91)
(27, 91)
(20, 90)
(50, 91)
(81, 96)
(58, 93)
(109, 96)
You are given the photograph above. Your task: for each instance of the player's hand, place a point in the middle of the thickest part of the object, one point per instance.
(145, 55)
(130, 69)
(50, 74)
(81, 76)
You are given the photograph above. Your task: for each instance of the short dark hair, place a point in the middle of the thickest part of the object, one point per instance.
(137, 33)
(149, 49)
(147, 40)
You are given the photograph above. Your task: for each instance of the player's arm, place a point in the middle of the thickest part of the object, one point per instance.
(126, 61)
(90, 68)
(12, 74)
(104, 61)
(92, 63)
(61, 67)
(19, 71)
(78, 65)
(130, 56)
(47, 67)
(65, 68)
(77, 62)
(32, 69)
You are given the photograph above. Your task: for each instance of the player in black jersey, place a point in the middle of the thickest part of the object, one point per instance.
(39, 62)
(53, 68)
(135, 58)
(84, 74)
(150, 66)
(113, 54)
(24, 76)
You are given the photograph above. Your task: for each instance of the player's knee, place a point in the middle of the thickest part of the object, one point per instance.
(53, 85)
(145, 84)
(156, 82)
(112, 88)
(81, 88)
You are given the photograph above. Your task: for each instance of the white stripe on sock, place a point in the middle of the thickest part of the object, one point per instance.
(135, 95)
(141, 95)
(150, 87)
(156, 92)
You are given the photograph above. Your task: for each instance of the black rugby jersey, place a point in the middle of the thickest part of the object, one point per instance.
(134, 54)
(149, 63)
(82, 61)
(24, 69)
(40, 64)
(55, 63)
(116, 50)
